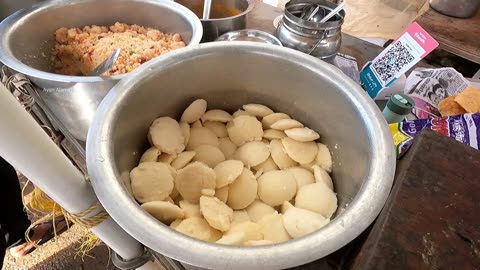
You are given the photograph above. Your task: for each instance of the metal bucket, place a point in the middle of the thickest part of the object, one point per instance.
(228, 75)
(27, 40)
(321, 40)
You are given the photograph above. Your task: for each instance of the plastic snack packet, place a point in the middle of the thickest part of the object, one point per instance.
(464, 128)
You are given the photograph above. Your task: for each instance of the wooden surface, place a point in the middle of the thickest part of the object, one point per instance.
(458, 36)
(431, 218)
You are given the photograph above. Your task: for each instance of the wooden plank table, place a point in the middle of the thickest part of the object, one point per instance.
(455, 35)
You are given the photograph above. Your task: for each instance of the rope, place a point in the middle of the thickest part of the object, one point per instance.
(87, 222)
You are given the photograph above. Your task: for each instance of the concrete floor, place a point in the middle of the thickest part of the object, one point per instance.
(61, 252)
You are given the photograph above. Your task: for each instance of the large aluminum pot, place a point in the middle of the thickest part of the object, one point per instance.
(228, 75)
(27, 40)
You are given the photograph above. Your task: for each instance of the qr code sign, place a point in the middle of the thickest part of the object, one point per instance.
(392, 62)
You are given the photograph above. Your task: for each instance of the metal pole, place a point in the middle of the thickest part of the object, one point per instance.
(27, 147)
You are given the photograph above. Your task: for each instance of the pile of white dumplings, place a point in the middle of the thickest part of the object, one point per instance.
(252, 178)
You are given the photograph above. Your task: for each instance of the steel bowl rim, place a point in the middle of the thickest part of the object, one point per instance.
(359, 214)
(11, 61)
(251, 5)
(262, 33)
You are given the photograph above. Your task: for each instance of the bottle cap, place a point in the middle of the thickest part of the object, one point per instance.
(401, 104)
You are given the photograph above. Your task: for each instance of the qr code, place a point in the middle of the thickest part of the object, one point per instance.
(392, 62)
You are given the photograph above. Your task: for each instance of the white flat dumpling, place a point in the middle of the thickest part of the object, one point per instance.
(240, 112)
(302, 176)
(227, 171)
(284, 124)
(167, 136)
(318, 198)
(273, 228)
(244, 129)
(268, 120)
(272, 134)
(253, 231)
(190, 209)
(216, 212)
(208, 192)
(182, 159)
(200, 136)
(257, 109)
(185, 131)
(208, 154)
(166, 158)
(324, 158)
(309, 166)
(266, 166)
(240, 216)
(197, 124)
(258, 209)
(217, 115)
(242, 191)
(175, 223)
(258, 243)
(151, 155)
(276, 187)
(192, 179)
(300, 222)
(233, 239)
(285, 206)
(252, 153)
(321, 176)
(302, 134)
(216, 127)
(193, 112)
(151, 181)
(198, 228)
(227, 147)
(165, 212)
(222, 193)
(301, 152)
(279, 155)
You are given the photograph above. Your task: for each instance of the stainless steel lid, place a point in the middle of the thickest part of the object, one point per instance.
(250, 35)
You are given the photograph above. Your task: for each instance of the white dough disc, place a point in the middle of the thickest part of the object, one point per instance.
(165, 212)
(151, 181)
(242, 191)
(302, 134)
(167, 136)
(301, 152)
(192, 179)
(219, 128)
(318, 198)
(252, 153)
(227, 171)
(300, 222)
(284, 124)
(244, 129)
(276, 187)
(279, 155)
(208, 154)
(199, 136)
(268, 120)
(257, 109)
(217, 115)
(193, 112)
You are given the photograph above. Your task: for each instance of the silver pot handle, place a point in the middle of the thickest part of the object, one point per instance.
(318, 42)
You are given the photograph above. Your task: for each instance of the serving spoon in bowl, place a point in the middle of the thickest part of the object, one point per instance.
(107, 64)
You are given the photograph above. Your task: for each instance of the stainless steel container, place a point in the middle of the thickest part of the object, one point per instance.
(321, 40)
(456, 8)
(27, 40)
(228, 75)
(222, 20)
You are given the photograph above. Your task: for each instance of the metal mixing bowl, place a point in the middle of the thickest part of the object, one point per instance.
(228, 75)
(27, 40)
(215, 27)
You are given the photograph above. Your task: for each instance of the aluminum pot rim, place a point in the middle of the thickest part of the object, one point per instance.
(251, 5)
(11, 61)
(359, 214)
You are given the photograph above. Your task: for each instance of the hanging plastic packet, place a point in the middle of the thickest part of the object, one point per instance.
(464, 128)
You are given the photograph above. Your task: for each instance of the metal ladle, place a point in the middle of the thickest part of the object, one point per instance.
(107, 64)
(207, 5)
